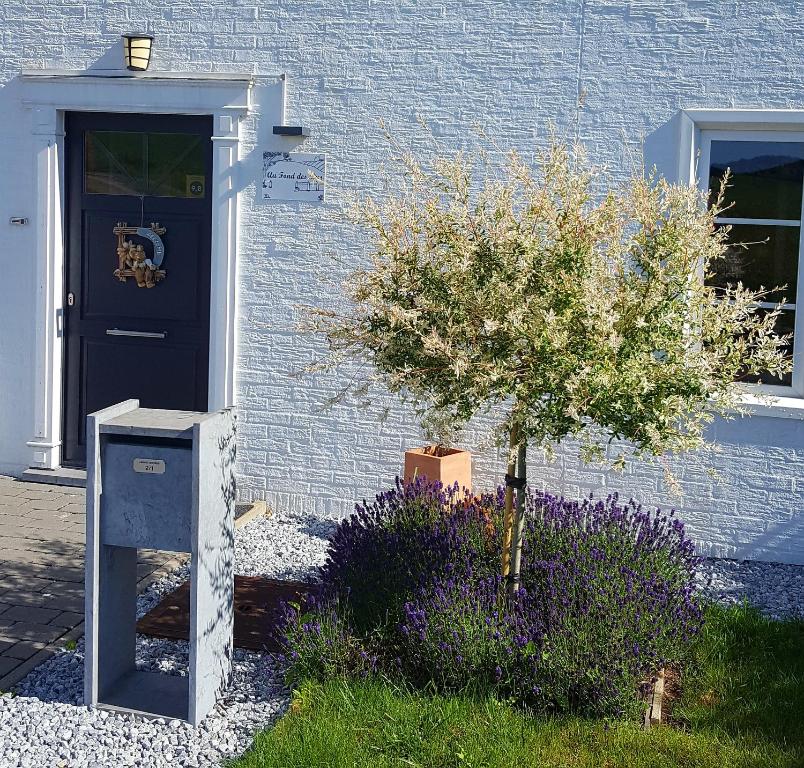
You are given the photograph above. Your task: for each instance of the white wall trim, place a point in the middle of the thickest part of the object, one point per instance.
(47, 131)
(768, 405)
(223, 277)
(693, 121)
(222, 78)
(48, 94)
(751, 119)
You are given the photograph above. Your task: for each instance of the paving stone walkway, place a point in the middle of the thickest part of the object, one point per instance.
(42, 573)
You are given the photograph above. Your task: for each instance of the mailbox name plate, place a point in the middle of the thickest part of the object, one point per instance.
(149, 466)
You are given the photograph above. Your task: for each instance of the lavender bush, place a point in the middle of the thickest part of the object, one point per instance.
(410, 590)
(411, 534)
(322, 645)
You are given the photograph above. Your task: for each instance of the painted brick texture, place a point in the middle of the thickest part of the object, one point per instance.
(512, 67)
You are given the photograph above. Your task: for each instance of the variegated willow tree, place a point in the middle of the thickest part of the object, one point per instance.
(565, 304)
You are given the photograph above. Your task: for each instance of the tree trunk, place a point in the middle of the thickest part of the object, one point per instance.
(513, 522)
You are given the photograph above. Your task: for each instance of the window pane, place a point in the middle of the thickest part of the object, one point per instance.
(151, 164)
(784, 325)
(769, 258)
(766, 177)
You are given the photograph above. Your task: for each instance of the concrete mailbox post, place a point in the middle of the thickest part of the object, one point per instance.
(164, 480)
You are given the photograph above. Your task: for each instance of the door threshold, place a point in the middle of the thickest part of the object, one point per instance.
(76, 478)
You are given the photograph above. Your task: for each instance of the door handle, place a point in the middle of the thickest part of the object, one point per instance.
(136, 334)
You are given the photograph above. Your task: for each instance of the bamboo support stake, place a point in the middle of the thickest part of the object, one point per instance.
(519, 519)
(508, 520)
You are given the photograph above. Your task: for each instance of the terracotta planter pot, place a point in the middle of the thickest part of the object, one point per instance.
(452, 466)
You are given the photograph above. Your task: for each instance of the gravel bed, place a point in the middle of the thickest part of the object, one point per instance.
(46, 724)
(776, 589)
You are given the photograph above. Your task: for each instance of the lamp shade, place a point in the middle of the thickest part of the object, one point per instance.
(137, 50)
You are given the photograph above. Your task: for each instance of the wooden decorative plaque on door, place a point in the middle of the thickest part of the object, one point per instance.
(132, 260)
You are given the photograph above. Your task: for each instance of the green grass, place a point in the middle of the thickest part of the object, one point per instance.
(742, 705)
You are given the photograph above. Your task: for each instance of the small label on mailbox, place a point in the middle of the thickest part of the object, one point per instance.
(150, 466)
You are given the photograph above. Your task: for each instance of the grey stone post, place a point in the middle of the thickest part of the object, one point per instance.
(158, 479)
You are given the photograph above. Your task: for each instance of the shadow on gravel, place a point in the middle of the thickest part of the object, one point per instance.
(316, 527)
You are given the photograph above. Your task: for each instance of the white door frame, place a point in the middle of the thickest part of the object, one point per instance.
(49, 94)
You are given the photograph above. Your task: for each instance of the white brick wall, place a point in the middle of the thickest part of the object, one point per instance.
(509, 66)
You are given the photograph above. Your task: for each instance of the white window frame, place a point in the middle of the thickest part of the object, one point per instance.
(707, 137)
(698, 128)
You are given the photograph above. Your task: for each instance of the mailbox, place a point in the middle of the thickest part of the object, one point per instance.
(158, 479)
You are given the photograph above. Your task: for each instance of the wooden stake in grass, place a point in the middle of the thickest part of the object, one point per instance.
(655, 700)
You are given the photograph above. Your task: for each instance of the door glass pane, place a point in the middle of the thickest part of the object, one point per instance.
(766, 177)
(150, 164)
(175, 165)
(113, 163)
(761, 256)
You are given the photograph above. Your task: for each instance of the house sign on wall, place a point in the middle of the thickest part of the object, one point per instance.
(298, 176)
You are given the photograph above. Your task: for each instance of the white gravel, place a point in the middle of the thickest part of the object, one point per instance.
(44, 723)
(47, 726)
(776, 589)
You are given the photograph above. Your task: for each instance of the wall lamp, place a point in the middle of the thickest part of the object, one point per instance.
(137, 50)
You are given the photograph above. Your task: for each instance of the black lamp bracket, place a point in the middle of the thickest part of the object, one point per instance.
(291, 130)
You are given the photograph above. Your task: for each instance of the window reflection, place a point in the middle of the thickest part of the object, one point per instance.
(761, 256)
(784, 325)
(765, 181)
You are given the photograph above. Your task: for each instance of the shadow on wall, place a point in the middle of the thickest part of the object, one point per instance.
(111, 61)
(267, 97)
(742, 498)
(662, 148)
(780, 537)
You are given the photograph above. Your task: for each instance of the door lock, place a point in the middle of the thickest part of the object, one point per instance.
(70, 299)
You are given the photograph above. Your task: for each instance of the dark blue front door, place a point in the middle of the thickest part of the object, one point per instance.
(138, 265)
